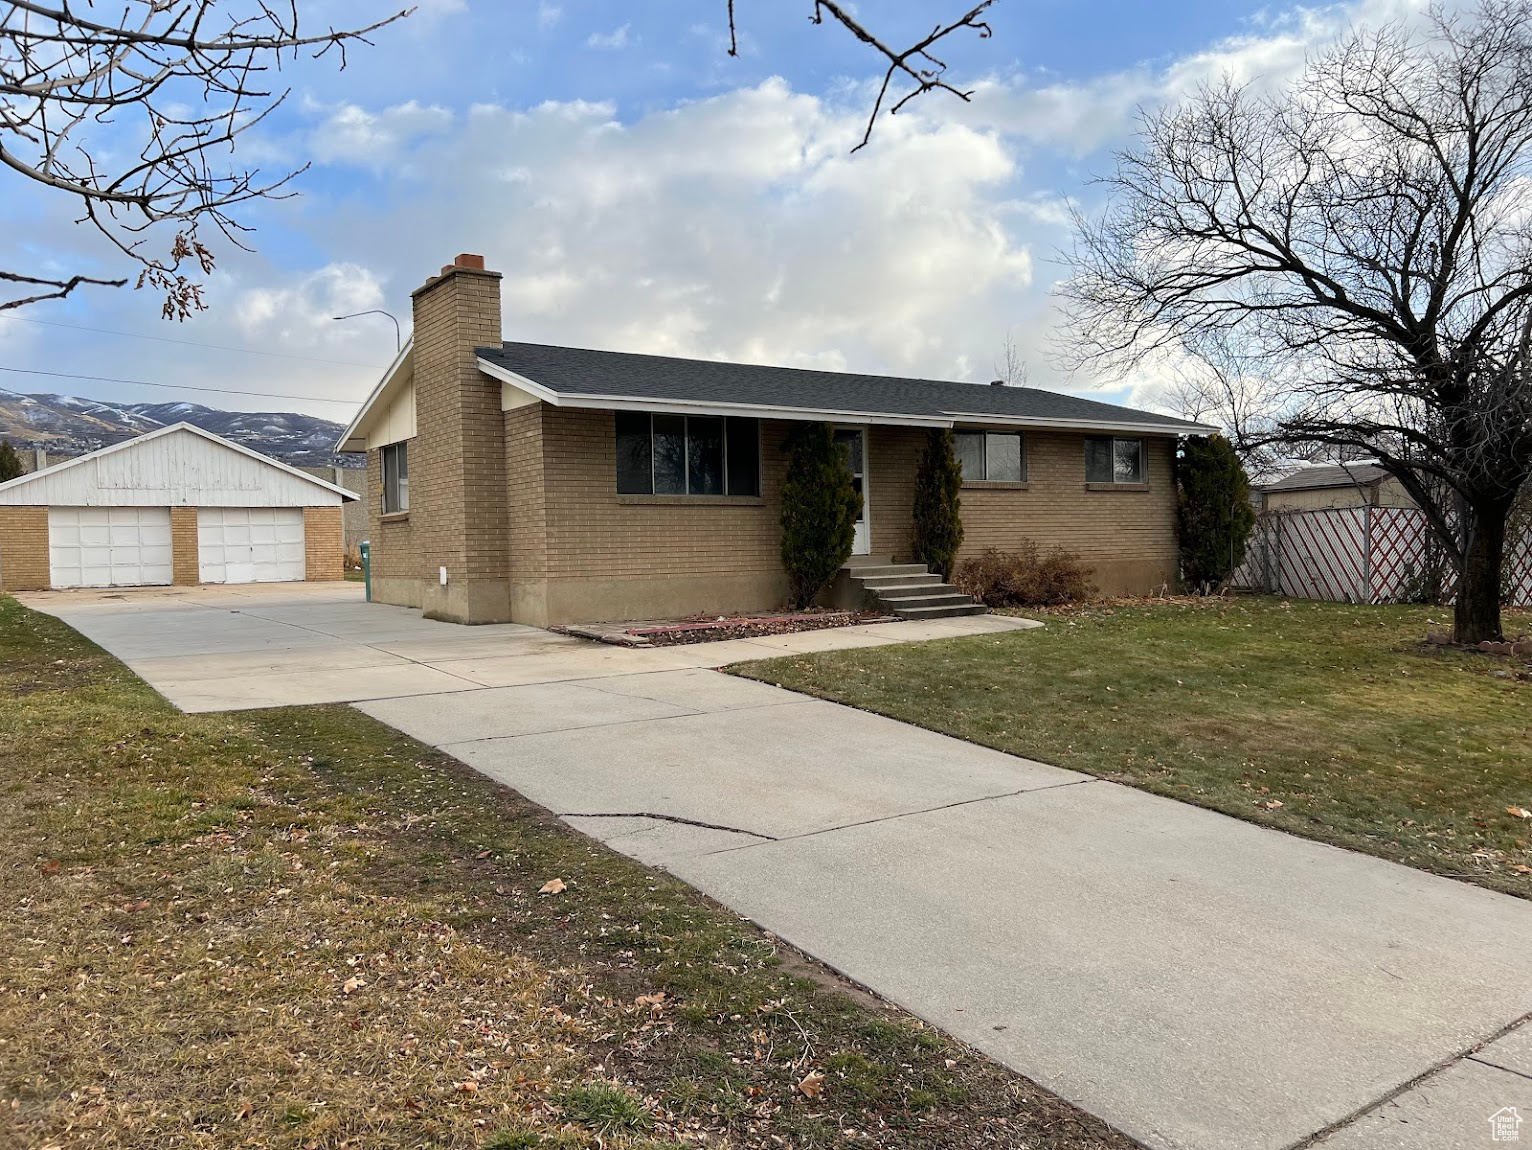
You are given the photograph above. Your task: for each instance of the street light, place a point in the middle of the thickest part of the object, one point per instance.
(398, 339)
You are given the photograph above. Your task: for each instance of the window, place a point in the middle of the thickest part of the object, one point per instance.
(991, 456)
(687, 454)
(1110, 460)
(396, 478)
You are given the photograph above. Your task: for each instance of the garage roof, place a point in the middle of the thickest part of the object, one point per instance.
(176, 466)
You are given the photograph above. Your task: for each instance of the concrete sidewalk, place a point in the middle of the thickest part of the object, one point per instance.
(1199, 982)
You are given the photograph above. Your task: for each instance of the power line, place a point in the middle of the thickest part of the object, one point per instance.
(179, 386)
(191, 342)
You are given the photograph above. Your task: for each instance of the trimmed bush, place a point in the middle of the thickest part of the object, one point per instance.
(1213, 513)
(820, 507)
(938, 510)
(1025, 577)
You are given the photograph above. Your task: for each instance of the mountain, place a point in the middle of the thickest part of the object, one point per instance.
(65, 425)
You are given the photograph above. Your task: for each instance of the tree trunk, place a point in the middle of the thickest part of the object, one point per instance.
(1476, 616)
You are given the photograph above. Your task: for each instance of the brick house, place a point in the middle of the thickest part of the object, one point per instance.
(545, 485)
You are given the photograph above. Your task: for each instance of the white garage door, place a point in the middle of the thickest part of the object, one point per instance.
(250, 544)
(109, 546)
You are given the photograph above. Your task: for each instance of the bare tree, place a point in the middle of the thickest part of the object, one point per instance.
(917, 66)
(136, 114)
(1011, 367)
(1361, 244)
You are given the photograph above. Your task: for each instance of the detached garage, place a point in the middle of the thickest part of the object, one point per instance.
(177, 506)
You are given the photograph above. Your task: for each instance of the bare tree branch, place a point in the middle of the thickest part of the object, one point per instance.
(916, 64)
(134, 118)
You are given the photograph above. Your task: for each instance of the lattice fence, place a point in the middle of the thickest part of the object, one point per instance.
(1362, 555)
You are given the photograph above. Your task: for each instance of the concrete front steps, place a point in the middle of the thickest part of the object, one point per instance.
(908, 590)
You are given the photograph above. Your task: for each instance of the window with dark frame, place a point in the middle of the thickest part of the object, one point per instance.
(991, 456)
(1110, 460)
(396, 478)
(687, 454)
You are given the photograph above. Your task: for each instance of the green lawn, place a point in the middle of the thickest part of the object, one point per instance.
(297, 930)
(1329, 721)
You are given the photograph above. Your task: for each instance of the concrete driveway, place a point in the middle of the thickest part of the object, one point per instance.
(228, 648)
(1197, 981)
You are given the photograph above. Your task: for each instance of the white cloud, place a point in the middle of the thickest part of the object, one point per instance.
(300, 316)
(620, 38)
(1080, 118)
(548, 15)
(350, 134)
(738, 226)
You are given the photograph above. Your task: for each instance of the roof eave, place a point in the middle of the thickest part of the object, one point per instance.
(603, 402)
(349, 436)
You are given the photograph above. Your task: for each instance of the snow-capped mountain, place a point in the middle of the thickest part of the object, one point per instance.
(67, 425)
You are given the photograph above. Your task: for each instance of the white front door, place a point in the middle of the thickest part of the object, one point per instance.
(250, 544)
(855, 441)
(109, 546)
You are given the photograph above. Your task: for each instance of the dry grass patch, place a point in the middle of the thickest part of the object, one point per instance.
(298, 929)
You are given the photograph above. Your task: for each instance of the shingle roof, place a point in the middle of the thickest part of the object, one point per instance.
(577, 373)
(1335, 475)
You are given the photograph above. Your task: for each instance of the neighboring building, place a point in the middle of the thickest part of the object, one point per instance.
(1335, 485)
(540, 484)
(176, 506)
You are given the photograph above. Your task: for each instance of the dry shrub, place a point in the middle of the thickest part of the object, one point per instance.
(1025, 577)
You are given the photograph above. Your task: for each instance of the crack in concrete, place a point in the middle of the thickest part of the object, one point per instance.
(664, 819)
(1404, 1088)
(911, 814)
(1498, 1066)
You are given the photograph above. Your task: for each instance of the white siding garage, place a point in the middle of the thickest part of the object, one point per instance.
(178, 506)
(250, 544)
(109, 546)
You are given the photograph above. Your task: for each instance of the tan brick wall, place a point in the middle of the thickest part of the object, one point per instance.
(185, 557)
(527, 512)
(397, 572)
(1127, 537)
(581, 552)
(24, 549)
(324, 543)
(457, 459)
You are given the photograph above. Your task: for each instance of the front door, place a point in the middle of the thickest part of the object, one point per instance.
(855, 441)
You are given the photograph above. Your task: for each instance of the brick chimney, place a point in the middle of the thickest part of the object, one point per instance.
(457, 468)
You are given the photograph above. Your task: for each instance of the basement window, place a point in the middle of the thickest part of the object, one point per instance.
(1109, 460)
(687, 454)
(991, 456)
(396, 478)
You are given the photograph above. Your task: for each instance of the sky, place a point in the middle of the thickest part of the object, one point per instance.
(643, 191)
